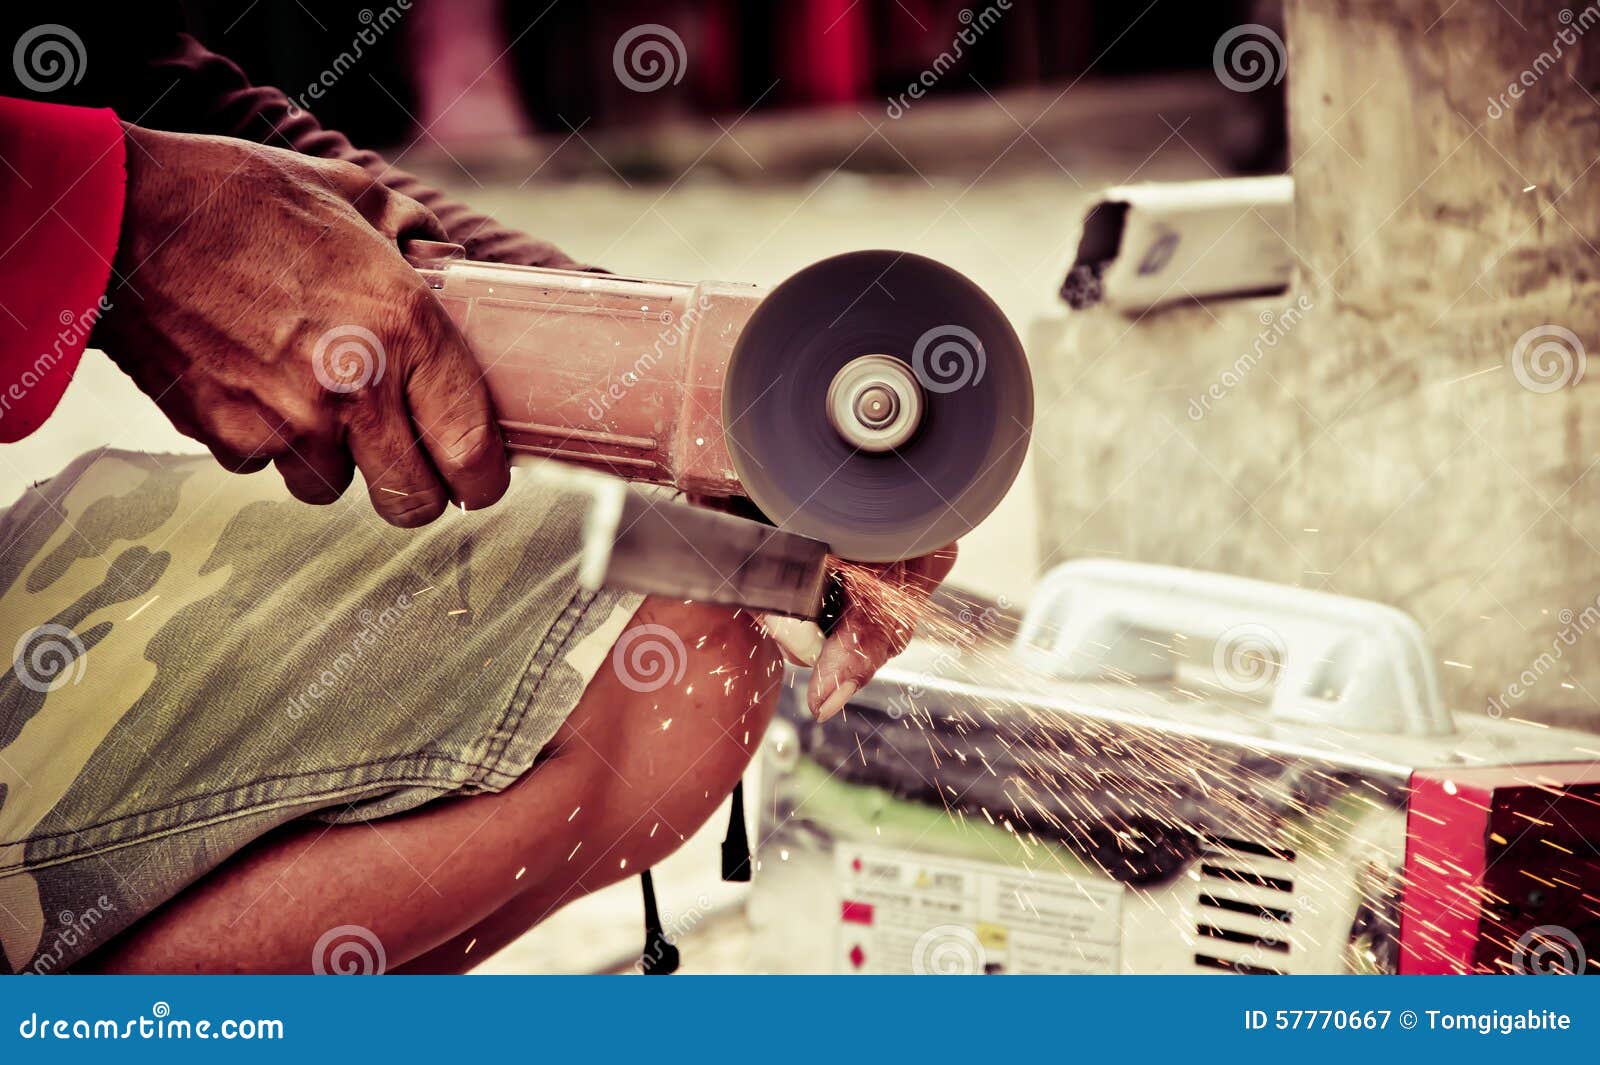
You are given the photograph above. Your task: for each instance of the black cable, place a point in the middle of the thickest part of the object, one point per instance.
(736, 845)
(660, 957)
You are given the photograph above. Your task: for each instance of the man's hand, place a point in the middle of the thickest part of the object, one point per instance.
(880, 615)
(259, 297)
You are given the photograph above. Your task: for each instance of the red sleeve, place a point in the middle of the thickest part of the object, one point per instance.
(61, 194)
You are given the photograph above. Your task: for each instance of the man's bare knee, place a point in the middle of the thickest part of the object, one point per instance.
(674, 715)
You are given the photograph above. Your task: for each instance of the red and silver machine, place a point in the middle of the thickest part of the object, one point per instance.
(1166, 771)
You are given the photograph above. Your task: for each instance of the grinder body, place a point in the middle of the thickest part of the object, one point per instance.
(618, 373)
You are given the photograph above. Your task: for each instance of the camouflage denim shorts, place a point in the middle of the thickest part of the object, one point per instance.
(199, 658)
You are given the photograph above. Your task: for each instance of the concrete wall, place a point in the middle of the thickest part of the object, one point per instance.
(1396, 444)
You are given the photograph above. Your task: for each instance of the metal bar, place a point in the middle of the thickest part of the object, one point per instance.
(642, 541)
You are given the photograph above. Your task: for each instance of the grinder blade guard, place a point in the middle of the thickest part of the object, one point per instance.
(877, 401)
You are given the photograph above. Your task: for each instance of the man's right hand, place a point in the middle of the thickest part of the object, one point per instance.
(259, 297)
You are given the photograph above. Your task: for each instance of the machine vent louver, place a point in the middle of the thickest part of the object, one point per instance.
(1244, 909)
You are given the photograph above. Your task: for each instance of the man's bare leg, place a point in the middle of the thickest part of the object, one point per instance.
(626, 780)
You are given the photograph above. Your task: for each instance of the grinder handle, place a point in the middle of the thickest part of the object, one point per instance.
(1338, 660)
(622, 374)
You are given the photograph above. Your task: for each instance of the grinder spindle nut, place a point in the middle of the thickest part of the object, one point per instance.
(874, 403)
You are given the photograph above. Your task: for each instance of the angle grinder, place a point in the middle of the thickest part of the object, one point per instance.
(877, 402)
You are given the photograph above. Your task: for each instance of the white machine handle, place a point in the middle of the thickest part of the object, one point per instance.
(1329, 659)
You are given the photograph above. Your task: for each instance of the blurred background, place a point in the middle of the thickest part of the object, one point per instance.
(476, 73)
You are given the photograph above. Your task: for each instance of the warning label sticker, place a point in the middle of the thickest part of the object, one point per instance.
(901, 912)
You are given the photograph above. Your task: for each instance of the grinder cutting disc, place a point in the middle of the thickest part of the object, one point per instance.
(877, 401)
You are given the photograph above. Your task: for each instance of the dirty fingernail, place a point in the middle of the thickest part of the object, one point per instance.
(835, 702)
